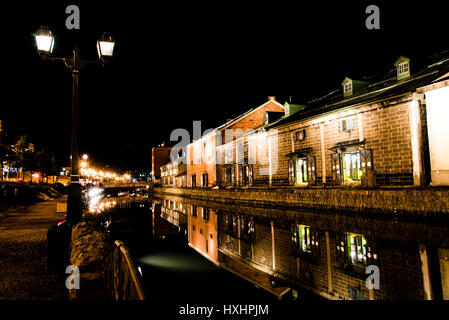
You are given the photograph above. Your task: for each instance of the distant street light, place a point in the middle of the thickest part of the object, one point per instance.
(45, 42)
(85, 156)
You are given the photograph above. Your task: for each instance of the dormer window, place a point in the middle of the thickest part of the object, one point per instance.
(347, 87)
(403, 68)
(287, 109)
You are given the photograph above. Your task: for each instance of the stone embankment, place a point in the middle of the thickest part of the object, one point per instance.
(89, 245)
(404, 200)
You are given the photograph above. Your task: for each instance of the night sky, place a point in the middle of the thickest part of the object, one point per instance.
(176, 63)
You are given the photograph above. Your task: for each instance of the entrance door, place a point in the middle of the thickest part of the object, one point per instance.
(351, 166)
(301, 172)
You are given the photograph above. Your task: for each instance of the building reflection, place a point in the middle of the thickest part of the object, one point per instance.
(167, 219)
(202, 234)
(327, 254)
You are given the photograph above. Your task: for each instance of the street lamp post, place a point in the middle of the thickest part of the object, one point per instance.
(105, 46)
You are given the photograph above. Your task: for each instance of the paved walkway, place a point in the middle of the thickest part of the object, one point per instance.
(23, 254)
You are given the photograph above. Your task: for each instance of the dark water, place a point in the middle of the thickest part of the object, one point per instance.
(264, 253)
(174, 273)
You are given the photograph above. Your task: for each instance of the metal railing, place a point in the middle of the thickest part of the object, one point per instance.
(122, 280)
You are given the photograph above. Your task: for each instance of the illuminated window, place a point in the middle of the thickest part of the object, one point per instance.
(357, 249)
(193, 208)
(205, 213)
(301, 171)
(351, 166)
(347, 87)
(305, 242)
(403, 68)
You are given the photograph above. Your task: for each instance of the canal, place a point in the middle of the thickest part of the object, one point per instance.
(191, 251)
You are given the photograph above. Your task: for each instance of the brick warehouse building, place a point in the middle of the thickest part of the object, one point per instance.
(368, 133)
(386, 131)
(204, 160)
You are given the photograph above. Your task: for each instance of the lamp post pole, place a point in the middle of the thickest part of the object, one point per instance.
(105, 47)
(74, 212)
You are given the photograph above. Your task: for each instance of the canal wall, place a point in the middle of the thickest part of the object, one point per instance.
(396, 200)
(89, 245)
(105, 268)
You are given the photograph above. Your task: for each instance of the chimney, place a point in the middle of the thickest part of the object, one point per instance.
(271, 98)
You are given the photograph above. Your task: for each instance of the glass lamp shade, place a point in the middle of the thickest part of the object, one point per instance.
(105, 46)
(45, 40)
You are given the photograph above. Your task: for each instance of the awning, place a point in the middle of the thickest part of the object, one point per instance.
(346, 144)
(302, 153)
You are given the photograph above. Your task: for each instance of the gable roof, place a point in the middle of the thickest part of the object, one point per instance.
(247, 113)
(382, 87)
(400, 60)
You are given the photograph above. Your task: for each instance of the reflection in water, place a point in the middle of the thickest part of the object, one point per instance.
(285, 253)
(326, 253)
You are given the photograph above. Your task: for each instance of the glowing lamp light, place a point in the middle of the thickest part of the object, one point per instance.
(105, 46)
(45, 41)
(85, 156)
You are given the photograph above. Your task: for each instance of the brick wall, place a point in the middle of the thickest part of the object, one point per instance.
(384, 126)
(204, 236)
(201, 160)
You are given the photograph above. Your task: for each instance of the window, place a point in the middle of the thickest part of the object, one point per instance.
(205, 213)
(193, 208)
(403, 68)
(305, 240)
(357, 249)
(204, 180)
(354, 253)
(301, 171)
(299, 135)
(231, 225)
(347, 88)
(193, 180)
(350, 124)
(351, 166)
(228, 176)
(247, 229)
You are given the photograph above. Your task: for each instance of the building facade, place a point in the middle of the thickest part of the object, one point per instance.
(383, 131)
(160, 156)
